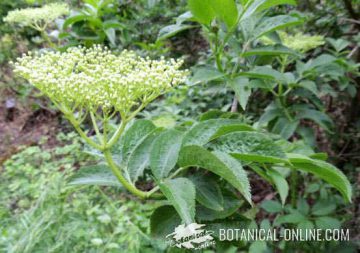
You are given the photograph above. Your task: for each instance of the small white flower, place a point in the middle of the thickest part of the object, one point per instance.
(97, 241)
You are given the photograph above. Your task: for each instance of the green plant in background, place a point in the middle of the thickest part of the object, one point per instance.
(42, 212)
(249, 53)
(38, 18)
(91, 25)
(199, 170)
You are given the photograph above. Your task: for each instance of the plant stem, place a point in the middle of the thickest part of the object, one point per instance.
(116, 170)
(76, 125)
(293, 186)
(98, 134)
(47, 39)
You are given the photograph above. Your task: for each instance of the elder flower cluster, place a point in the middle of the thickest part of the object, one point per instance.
(96, 78)
(37, 17)
(299, 42)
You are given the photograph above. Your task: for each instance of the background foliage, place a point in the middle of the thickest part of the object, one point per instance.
(317, 109)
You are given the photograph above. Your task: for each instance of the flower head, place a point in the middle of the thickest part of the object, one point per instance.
(95, 77)
(37, 16)
(299, 42)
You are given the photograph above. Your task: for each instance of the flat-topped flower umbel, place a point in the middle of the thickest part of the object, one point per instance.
(37, 17)
(96, 78)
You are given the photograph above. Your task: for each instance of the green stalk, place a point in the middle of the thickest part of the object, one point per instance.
(293, 186)
(116, 170)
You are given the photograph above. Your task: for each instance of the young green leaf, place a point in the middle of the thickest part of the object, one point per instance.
(165, 152)
(242, 90)
(202, 10)
(219, 163)
(280, 183)
(226, 10)
(181, 194)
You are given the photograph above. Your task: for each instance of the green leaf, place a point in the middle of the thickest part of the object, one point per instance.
(78, 17)
(319, 156)
(271, 206)
(258, 247)
(231, 128)
(338, 44)
(295, 217)
(261, 5)
(113, 24)
(280, 183)
(208, 192)
(285, 128)
(171, 30)
(271, 3)
(318, 117)
(230, 206)
(324, 59)
(139, 159)
(249, 146)
(323, 208)
(302, 206)
(95, 175)
(242, 90)
(326, 222)
(261, 173)
(111, 35)
(270, 114)
(133, 136)
(205, 74)
(309, 85)
(202, 10)
(220, 164)
(275, 23)
(274, 50)
(163, 221)
(226, 10)
(181, 194)
(201, 133)
(264, 72)
(305, 225)
(227, 224)
(323, 170)
(165, 152)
